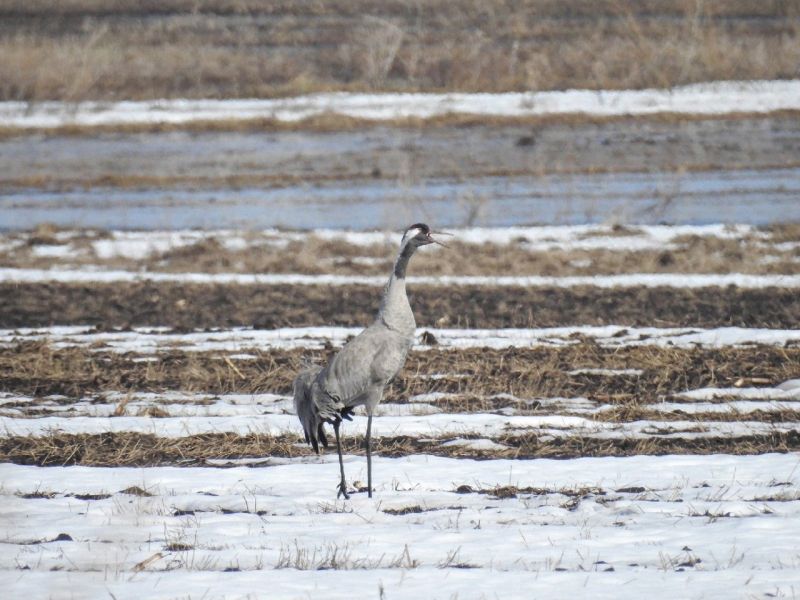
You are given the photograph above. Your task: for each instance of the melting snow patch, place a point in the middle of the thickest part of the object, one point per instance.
(677, 280)
(765, 393)
(790, 385)
(735, 406)
(147, 341)
(53, 250)
(717, 98)
(476, 444)
(606, 372)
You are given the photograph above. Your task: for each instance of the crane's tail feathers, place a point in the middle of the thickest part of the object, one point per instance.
(321, 435)
(306, 409)
(347, 413)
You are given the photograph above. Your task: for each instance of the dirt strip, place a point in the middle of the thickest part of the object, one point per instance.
(187, 306)
(139, 449)
(35, 369)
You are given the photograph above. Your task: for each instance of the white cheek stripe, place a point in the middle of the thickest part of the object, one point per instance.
(411, 233)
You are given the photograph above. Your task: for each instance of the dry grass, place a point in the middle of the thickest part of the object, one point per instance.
(37, 369)
(87, 49)
(778, 252)
(140, 449)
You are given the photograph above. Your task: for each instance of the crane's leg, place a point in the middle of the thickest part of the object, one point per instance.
(369, 456)
(342, 485)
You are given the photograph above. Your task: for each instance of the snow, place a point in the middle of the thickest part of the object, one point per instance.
(791, 384)
(53, 251)
(731, 407)
(677, 280)
(713, 98)
(245, 420)
(606, 372)
(476, 444)
(145, 341)
(137, 246)
(781, 392)
(697, 529)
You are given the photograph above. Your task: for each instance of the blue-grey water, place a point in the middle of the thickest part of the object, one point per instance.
(694, 172)
(744, 196)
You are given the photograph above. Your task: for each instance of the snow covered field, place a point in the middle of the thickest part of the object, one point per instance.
(164, 460)
(692, 526)
(716, 98)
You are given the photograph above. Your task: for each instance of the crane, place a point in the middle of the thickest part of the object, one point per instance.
(359, 372)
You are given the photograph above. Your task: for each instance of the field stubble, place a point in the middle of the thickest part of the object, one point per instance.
(219, 49)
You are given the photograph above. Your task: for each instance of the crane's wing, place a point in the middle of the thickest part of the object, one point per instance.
(365, 364)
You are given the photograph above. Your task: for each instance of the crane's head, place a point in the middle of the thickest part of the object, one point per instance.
(420, 234)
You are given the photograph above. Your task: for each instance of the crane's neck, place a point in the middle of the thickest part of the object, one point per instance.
(395, 311)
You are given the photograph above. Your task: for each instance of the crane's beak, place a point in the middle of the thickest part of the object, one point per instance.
(435, 241)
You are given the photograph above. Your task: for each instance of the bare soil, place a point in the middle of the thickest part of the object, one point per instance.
(186, 307)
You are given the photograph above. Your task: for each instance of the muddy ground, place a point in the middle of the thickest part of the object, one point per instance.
(186, 307)
(268, 159)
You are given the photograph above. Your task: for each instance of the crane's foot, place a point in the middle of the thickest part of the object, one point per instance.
(342, 490)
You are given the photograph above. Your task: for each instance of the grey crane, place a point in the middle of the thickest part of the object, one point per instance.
(359, 372)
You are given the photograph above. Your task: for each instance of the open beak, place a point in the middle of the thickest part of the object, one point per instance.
(435, 241)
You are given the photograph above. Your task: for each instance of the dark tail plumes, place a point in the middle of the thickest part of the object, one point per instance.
(306, 409)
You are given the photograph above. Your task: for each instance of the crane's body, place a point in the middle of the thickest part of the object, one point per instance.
(360, 371)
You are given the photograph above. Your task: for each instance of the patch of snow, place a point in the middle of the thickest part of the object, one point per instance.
(733, 406)
(764, 393)
(677, 280)
(53, 250)
(405, 409)
(713, 98)
(138, 245)
(476, 444)
(791, 384)
(143, 341)
(227, 417)
(438, 376)
(605, 372)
